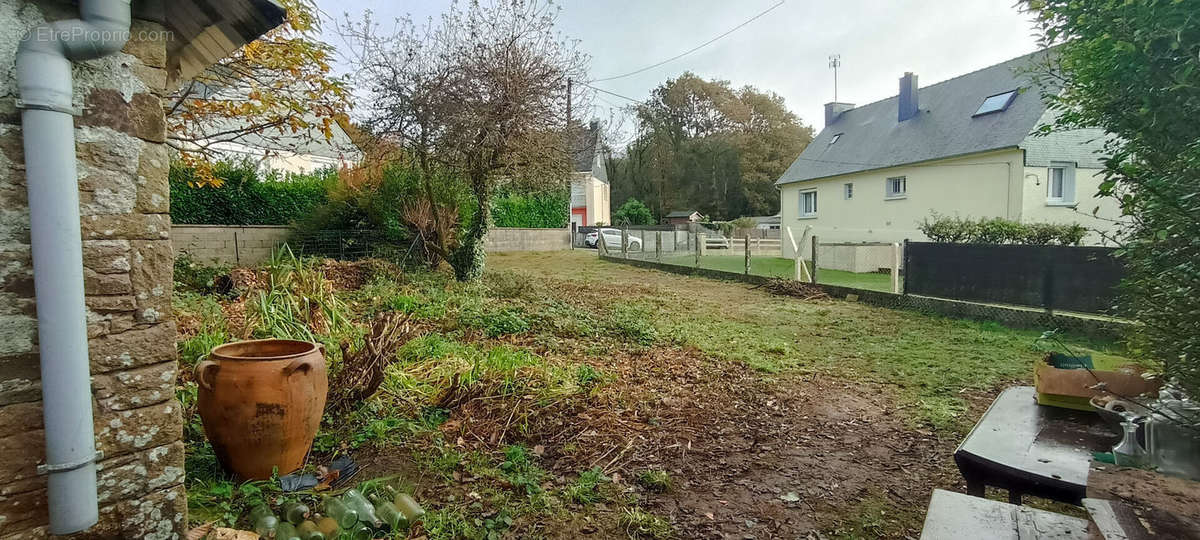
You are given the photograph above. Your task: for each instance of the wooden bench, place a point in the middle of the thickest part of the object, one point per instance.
(1030, 449)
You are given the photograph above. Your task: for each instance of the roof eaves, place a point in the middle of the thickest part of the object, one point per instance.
(780, 182)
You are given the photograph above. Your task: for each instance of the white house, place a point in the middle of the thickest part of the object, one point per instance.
(300, 151)
(590, 191)
(961, 147)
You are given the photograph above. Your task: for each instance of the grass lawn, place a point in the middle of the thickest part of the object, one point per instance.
(785, 268)
(562, 396)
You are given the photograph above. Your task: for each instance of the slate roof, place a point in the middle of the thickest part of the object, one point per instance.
(587, 141)
(681, 213)
(873, 138)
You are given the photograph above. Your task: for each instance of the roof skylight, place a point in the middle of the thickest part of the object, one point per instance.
(835, 138)
(996, 103)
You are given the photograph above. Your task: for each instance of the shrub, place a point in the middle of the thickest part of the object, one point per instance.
(633, 212)
(535, 211)
(1000, 231)
(247, 197)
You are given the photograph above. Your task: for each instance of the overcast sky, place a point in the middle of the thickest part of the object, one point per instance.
(785, 51)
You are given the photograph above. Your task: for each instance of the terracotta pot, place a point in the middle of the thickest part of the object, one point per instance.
(261, 403)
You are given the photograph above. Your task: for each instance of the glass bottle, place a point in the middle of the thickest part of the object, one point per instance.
(295, 512)
(1128, 453)
(409, 507)
(389, 514)
(264, 521)
(362, 532)
(360, 504)
(328, 526)
(286, 531)
(1175, 446)
(308, 530)
(345, 516)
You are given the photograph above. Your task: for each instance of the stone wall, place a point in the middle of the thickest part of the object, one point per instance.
(516, 239)
(234, 246)
(122, 164)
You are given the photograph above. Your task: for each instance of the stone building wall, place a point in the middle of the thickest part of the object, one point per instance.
(128, 260)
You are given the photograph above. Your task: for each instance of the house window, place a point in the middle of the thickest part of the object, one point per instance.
(1060, 183)
(848, 191)
(808, 203)
(897, 187)
(835, 138)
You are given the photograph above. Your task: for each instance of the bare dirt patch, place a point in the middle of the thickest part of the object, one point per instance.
(748, 456)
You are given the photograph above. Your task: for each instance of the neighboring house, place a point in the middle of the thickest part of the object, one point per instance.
(683, 217)
(590, 192)
(962, 147)
(767, 223)
(99, 323)
(295, 153)
(298, 152)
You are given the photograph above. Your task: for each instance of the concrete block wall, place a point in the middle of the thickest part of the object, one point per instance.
(228, 245)
(123, 192)
(518, 239)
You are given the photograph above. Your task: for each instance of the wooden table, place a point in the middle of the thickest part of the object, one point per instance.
(1030, 449)
(954, 516)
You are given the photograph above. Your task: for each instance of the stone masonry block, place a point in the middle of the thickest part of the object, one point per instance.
(135, 388)
(123, 432)
(134, 348)
(127, 227)
(153, 279)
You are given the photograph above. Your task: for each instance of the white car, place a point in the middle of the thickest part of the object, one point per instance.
(612, 240)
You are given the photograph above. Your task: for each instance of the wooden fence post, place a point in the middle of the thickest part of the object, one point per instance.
(813, 271)
(895, 267)
(747, 239)
(904, 290)
(625, 242)
(699, 247)
(658, 245)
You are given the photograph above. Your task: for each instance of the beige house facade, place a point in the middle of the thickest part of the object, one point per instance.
(874, 174)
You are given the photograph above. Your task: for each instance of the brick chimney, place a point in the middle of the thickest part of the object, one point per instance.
(910, 105)
(834, 110)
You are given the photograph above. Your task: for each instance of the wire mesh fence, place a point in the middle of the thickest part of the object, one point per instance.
(354, 245)
(758, 252)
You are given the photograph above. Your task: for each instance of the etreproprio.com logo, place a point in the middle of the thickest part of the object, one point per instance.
(83, 33)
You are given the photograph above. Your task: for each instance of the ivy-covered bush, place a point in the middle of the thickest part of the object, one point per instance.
(941, 228)
(247, 196)
(546, 210)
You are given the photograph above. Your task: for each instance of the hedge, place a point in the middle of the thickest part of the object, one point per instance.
(1000, 231)
(247, 197)
(533, 211)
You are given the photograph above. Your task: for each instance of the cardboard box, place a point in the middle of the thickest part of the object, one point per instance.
(1073, 388)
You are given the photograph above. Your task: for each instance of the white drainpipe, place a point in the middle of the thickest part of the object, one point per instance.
(44, 77)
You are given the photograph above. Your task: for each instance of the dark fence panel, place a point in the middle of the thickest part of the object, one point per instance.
(354, 244)
(1054, 277)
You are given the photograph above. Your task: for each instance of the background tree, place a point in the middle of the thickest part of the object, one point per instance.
(633, 212)
(1133, 68)
(276, 91)
(706, 146)
(480, 95)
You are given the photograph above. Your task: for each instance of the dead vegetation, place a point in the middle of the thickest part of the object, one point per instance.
(798, 289)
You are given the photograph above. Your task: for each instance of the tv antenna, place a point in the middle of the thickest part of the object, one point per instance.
(835, 61)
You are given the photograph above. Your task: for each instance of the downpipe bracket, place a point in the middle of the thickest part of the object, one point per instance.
(47, 468)
(22, 104)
